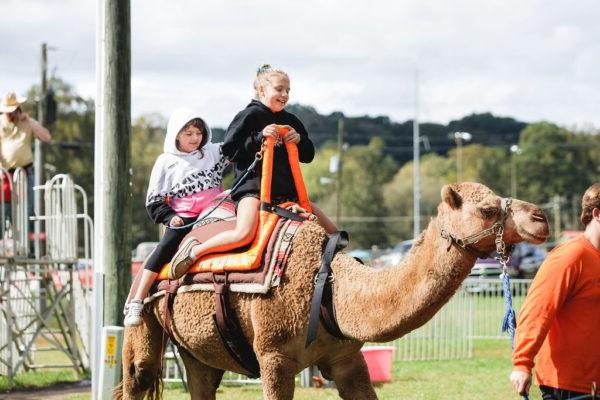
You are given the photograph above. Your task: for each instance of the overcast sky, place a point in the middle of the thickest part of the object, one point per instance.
(528, 59)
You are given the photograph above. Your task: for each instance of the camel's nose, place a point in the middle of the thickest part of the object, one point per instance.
(539, 216)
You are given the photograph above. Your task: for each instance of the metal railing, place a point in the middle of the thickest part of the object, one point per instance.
(45, 301)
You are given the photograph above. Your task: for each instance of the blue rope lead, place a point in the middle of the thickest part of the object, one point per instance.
(509, 322)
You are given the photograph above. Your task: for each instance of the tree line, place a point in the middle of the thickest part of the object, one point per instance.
(548, 165)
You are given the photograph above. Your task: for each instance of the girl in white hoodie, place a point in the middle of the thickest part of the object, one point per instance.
(185, 178)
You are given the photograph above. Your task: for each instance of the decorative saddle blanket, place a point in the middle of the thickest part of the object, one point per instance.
(233, 257)
(268, 274)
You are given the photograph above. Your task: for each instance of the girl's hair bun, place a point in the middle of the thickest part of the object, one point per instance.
(263, 69)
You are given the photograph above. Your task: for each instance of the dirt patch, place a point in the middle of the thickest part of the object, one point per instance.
(55, 392)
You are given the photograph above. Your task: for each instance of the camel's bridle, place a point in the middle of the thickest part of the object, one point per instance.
(497, 229)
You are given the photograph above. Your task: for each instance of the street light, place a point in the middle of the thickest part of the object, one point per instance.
(459, 137)
(515, 150)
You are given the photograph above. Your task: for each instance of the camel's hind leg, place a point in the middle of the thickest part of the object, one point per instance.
(277, 374)
(143, 348)
(202, 380)
(351, 377)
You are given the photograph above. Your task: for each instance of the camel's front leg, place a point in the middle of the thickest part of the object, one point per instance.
(277, 374)
(202, 380)
(351, 377)
(142, 358)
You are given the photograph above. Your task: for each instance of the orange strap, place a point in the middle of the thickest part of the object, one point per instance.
(267, 171)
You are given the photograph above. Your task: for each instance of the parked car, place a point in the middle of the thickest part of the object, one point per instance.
(485, 274)
(395, 255)
(404, 246)
(527, 258)
(363, 254)
(140, 253)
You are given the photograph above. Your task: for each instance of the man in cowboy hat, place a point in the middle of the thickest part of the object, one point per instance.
(17, 131)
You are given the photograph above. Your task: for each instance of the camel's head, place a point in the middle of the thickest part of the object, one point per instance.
(468, 209)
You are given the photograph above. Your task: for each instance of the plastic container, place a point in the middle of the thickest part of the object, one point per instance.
(379, 361)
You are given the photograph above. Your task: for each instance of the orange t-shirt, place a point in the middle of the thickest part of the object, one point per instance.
(560, 319)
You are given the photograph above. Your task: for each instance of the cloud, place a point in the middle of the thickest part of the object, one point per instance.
(531, 60)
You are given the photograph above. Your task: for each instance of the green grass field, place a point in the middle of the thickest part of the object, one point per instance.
(485, 376)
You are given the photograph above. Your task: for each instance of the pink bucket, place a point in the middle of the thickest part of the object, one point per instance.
(379, 361)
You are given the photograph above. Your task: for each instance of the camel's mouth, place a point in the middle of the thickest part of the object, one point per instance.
(533, 237)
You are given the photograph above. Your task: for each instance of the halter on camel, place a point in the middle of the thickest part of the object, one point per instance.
(509, 322)
(497, 229)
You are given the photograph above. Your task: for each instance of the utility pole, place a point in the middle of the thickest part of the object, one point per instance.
(575, 209)
(556, 211)
(38, 159)
(112, 177)
(338, 187)
(459, 137)
(116, 152)
(515, 150)
(416, 160)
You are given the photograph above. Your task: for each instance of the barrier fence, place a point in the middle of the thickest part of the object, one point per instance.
(44, 305)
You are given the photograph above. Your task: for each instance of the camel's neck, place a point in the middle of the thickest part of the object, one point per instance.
(378, 305)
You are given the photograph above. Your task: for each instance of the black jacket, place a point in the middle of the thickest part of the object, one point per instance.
(243, 139)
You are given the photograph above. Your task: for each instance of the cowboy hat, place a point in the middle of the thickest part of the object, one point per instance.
(11, 102)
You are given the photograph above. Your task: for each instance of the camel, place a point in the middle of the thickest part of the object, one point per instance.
(372, 305)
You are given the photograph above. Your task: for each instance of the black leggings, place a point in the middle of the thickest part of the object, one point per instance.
(167, 247)
(550, 393)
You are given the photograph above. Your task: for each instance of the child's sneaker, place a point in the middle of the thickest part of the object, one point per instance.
(182, 260)
(134, 313)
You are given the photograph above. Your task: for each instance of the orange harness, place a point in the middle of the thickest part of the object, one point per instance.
(251, 258)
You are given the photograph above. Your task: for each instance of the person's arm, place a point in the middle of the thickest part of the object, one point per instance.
(38, 130)
(306, 148)
(241, 142)
(548, 291)
(223, 162)
(157, 205)
(160, 213)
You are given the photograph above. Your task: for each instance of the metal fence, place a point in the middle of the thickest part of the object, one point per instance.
(474, 312)
(489, 307)
(43, 301)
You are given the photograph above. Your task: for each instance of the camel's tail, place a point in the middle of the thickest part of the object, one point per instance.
(143, 348)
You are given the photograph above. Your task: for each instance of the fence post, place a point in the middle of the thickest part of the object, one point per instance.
(110, 361)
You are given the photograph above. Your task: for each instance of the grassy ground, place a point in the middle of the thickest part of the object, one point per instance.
(483, 376)
(45, 377)
(39, 379)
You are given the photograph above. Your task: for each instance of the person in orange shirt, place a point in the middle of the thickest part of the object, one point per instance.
(559, 323)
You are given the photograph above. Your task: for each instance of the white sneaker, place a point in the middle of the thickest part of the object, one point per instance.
(134, 313)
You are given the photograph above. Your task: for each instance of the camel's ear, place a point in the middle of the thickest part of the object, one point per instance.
(451, 196)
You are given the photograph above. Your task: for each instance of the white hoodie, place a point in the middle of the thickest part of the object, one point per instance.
(177, 174)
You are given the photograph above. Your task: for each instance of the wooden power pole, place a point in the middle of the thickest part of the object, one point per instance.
(338, 181)
(38, 157)
(116, 152)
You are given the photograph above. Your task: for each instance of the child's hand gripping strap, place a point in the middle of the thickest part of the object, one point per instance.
(267, 171)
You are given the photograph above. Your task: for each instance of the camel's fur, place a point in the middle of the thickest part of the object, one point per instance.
(371, 305)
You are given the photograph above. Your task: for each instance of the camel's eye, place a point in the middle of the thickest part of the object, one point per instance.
(488, 212)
